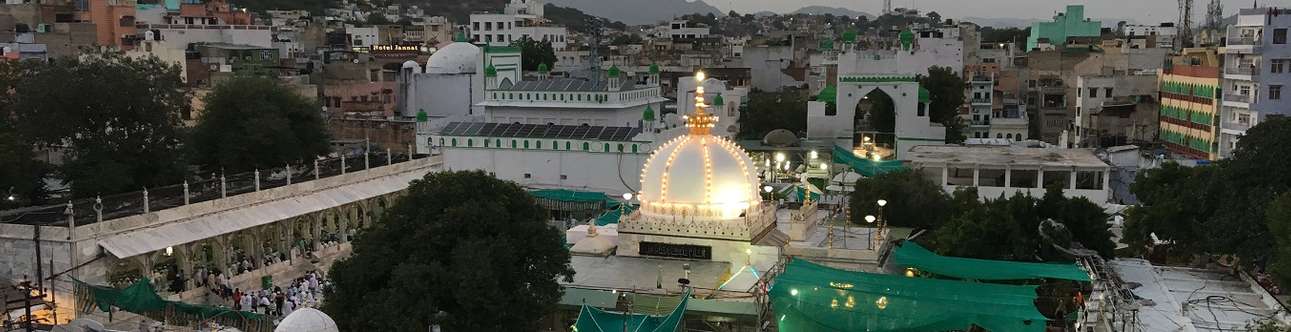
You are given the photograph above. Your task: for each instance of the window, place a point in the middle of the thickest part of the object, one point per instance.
(488, 26)
(513, 144)
(488, 38)
(526, 144)
(1021, 178)
(1275, 92)
(528, 176)
(1280, 36)
(586, 146)
(605, 148)
(475, 26)
(960, 177)
(1093, 92)
(555, 145)
(1089, 180)
(990, 177)
(620, 148)
(539, 144)
(470, 142)
(1107, 92)
(1062, 179)
(454, 142)
(566, 145)
(1278, 66)
(564, 177)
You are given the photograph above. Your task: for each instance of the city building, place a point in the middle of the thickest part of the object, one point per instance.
(115, 22)
(614, 98)
(1065, 26)
(981, 101)
(1190, 113)
(1162, 35)
(681, 30)
(1002, 171)
(1114, 110)
(521, 19)
(1257, 70)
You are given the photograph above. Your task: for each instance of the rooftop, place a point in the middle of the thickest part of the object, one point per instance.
(484, 129)
(562, 84)
(1004, 155)
(1187, 299)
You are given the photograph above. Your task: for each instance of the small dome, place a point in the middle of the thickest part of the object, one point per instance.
(456, 58)
(654, 69)
(849, 36)
(614, 71)
(491, 71)
(718, 101)
(542, 68)
(412, 64)
(648, 115)
(422, 116)
(780, 138)
(307, 319)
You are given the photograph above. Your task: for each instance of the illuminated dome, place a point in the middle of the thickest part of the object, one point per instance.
(307, 319)
(699, 175)
(456, 58)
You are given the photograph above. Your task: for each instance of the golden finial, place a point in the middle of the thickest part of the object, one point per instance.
(700, 123)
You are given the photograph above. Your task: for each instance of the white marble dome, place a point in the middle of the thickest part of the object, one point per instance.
(307, 319)
(698, 176)
(416, 68)
(456, 58)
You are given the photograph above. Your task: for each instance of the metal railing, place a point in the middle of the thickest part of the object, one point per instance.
(197, 188)
(1243, 41)
(1237, 98)
(1249, 70)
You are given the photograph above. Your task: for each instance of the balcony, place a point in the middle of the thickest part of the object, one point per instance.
(1244, 70)
(981, 101)
(1238, 98)
(1244, 41)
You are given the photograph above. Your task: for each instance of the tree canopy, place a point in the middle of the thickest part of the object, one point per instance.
(946, 91)
(1007, 228)
(19, 169)
(256, 123)
(463, 243)
(767, 111)
(533, 53)
(119, 118)
(1185, 206)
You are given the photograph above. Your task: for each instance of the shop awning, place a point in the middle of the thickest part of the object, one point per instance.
(193, 229)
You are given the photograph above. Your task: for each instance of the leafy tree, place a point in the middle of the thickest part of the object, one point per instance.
(1279, 223)
(118, 116)
(913, 201)
(377, 19)
(767, 111)
(534, 52)
(626, 39)
(934, 17)
(1175, 203)
(1004, 35)
(733, 14)
(464, 243)
(1085, 221)
(946, 91)
(19, 169)
(254, 122)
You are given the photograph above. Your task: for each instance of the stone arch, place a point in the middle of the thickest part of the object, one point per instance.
(911, 125)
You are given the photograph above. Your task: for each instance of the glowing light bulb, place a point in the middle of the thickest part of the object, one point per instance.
(699, 76)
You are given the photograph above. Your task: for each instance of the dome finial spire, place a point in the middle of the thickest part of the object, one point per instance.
(700, 123)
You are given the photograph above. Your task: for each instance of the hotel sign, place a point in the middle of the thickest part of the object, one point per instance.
(676, 250)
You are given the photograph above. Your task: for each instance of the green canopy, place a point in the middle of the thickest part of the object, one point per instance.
(612, 216)
(141, 298)
(592, 319)
(812, 297)
(912, 255)
(865, 167)
(571, 196)
(828, 95)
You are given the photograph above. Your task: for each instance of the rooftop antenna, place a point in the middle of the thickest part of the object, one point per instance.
(887, 6)
(1185, 24)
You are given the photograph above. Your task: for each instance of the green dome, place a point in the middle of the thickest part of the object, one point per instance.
(826, 43)
(654, 69)
(490, 71)
(849, 36)
(648, 115)
(422, 116)
(614, 71)
(828, 95)
(459, 37)
(542, 68)
(717, 101)
(925, 96)
(907, 38)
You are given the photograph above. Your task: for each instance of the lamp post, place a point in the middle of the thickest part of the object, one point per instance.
(882, 222)
(869, 219)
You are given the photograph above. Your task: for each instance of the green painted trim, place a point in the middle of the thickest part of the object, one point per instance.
(501, 49)
(876, 79)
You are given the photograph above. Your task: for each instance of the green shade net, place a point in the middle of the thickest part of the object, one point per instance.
(912, 255)
(592, 319)
(141, 298)
(828, 95)
(612, 216)
(571, 196)
(812, 297)
(865, 167)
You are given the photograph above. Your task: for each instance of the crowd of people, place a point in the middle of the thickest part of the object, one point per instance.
(305, 291)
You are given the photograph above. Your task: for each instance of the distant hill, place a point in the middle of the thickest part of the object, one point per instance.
(836, 11)
(576, 19)
(636, 11)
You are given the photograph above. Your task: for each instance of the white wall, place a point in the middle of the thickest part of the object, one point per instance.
(589, 171)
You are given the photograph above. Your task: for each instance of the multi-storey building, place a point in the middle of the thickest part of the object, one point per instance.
(1190, 105)
(1257, 71)
(522, 19)
(1107, 109)
(981, 93)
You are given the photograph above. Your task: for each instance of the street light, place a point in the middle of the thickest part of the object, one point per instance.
(813, 155)
(10, 197)
(883, 202)
(870, 219)
(767, 189)
(779, 157)
(627, 196)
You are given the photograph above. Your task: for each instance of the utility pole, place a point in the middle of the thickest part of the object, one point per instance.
(1184, 25)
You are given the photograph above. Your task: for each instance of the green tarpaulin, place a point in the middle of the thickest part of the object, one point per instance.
(592, 319)
(812, 297)
(570, 196)
(612, 216)
(912, 255)
(865, 167)
(141, 298)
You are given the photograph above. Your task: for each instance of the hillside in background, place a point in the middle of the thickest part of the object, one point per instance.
(577, 20)
(637, 12)
(313, 6)
(836, 11)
